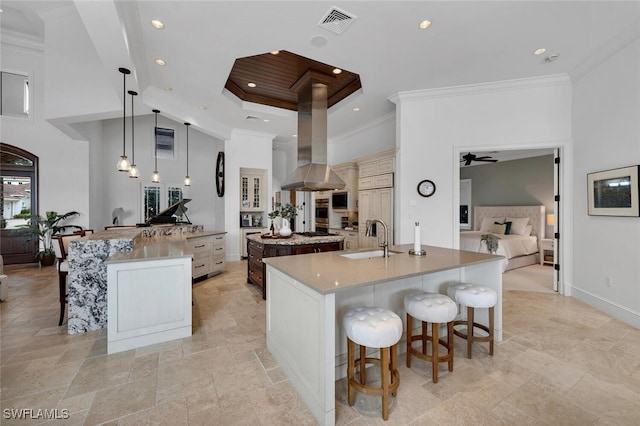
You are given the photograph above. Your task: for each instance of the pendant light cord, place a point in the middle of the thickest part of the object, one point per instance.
(133, 136)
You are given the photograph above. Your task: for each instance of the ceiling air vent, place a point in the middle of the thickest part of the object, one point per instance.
(336, 20)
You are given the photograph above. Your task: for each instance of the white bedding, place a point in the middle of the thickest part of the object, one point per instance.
(509, 246)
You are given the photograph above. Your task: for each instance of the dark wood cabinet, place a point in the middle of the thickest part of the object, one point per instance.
(256, 269)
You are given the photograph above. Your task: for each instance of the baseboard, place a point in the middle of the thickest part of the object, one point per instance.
(618, 312)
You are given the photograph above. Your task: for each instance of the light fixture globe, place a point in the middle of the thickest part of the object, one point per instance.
(155, 178)
(123, 164)
(134, 173)
(187, 181)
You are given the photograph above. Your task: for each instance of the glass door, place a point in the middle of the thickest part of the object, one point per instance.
(18, 201)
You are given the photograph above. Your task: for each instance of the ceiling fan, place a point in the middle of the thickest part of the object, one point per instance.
(469, 157)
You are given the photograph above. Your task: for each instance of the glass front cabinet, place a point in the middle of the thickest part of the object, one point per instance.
(251, 190)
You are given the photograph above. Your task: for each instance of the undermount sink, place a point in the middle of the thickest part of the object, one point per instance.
(366, 254)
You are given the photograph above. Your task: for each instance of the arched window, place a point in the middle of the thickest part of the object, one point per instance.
(18, 201)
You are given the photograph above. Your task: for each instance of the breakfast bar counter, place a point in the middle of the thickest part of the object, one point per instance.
(87, 288)
(307, 296)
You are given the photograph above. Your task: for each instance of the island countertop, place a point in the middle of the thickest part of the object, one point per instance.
(330, 272)
(296, 239)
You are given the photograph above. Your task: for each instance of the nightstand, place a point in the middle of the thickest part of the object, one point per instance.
(546, 244)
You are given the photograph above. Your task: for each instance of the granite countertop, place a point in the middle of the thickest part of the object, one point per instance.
(296, 239)
(155, 248)
(329, 272)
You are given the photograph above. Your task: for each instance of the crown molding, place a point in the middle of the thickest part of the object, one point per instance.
(609, 49)
(475, 89)
(22, 41)
(391, 116)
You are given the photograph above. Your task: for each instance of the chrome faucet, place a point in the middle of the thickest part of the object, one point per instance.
(385, 244)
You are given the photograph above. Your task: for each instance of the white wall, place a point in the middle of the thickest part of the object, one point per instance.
(64, 175)
(434, 125)
(606, 126)
(245, 149)
(377, 137)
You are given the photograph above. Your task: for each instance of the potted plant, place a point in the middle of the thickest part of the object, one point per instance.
(287, 212)
(45, 229)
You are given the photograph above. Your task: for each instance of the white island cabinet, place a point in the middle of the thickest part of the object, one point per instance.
(149, 294)
(307, 296)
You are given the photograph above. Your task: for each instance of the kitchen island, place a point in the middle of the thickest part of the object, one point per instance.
(87, 288)
(263, 246)
(308, 295)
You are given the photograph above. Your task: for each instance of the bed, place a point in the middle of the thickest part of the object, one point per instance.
(520, 246)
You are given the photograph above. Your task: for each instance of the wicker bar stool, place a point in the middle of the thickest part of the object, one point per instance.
(474, 297)
(372, 327)
(436, 309)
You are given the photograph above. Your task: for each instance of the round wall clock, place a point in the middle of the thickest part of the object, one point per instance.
(426, 188)
(220, 174)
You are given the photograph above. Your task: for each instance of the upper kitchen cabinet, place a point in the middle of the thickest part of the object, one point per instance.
(348, 172)
(252, 183)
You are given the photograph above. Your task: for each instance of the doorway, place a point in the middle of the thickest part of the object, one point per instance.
(18, 202)
(555, 182)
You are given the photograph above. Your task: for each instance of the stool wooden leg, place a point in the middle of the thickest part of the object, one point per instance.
(384, 378)
(491, 325)
(424, 337)
(394, 364)
(450, 343)
(363, 365)
(469, 330)
(409, 337)
(434, 351)
(351, 349)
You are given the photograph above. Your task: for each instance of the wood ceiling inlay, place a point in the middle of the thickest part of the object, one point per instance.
(275, 75)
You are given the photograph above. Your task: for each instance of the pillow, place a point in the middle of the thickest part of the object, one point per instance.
(488, 221)
(527, 230)
(507, 230)
(518, 224)
(498, 228)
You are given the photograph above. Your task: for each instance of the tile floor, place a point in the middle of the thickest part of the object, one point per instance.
(561, 363)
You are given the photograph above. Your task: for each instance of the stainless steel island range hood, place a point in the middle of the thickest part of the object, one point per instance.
(313, 173)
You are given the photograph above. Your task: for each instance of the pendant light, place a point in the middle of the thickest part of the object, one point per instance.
(155, 178)
(187, 179)
(133, 171)
(123, 161)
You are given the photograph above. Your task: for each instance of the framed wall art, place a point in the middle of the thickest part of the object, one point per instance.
(614, 192)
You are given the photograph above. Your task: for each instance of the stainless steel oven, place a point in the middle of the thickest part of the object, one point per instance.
(322, 215)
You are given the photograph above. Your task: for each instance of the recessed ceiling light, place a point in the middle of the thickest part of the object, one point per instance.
(203, 107)
(424, 24)
(168, 89)
(539, 51)
(251, 84)
(266, 120)
(337, 70)
(160, 62)
(274, 52)
(157, 24)
(294, 135)
(356, 109)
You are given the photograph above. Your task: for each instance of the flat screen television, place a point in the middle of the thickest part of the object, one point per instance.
(340, 200)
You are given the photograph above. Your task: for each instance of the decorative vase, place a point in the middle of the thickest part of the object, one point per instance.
(285, 230)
